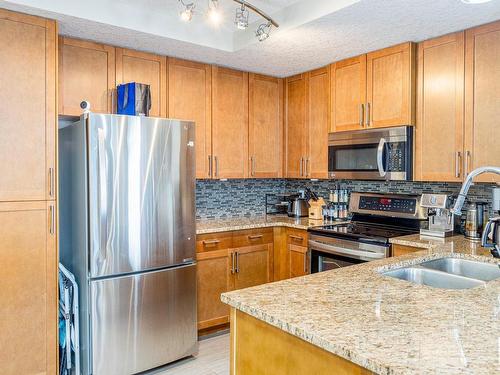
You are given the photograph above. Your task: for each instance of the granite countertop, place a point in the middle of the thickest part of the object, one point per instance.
(386, 325)
(240, 223)
(457, 244)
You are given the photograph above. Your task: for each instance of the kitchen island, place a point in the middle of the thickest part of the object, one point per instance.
(354, 320)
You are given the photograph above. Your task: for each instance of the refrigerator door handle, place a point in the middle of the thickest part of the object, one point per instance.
(103, 224)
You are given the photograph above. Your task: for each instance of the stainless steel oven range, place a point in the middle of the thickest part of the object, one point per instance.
(376, 219)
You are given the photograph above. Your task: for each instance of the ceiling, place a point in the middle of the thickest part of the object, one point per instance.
(312, 33)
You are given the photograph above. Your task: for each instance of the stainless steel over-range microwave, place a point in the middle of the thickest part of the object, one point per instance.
(372, 154)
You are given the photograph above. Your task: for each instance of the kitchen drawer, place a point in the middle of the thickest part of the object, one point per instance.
(398, 250)
(213, 241)
(296, 237)
(252, 237)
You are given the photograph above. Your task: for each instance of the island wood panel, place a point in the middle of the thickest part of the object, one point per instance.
(390, 86)
(252, 266)
(482, 99)
(141, 67)
(189, 98)
(298, 260)
(440, 113)
(229, 123)
(259, 348)
(28, 115)
(281, 266)
(213, 279)
(348, 94)
(28, 254)
(318, 97)
(296, 125)
(86, 72)
(265, 126)
(398, 250)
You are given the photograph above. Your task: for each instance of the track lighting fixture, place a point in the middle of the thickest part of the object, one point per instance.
(214, 15)
(241, 18)
(262, 32)
(187, 13)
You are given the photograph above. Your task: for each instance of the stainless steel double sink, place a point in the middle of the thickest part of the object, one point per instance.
(448, 273)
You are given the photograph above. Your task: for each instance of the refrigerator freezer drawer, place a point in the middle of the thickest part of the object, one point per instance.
(142, 321)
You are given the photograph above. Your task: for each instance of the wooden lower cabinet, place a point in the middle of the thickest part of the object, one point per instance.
(212, 281)
(228, 261)
(299, 260)
(28, 288)
(259, 348)
(398, 250)
(252, 266)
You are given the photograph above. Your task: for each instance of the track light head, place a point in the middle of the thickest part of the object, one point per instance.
(241, 18)
(263, 31)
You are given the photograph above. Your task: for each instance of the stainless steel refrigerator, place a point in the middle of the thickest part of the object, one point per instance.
(127, 233)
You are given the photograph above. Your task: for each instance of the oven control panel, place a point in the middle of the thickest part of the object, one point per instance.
(385, 204)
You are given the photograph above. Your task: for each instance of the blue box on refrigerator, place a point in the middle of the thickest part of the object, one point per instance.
(133, 99)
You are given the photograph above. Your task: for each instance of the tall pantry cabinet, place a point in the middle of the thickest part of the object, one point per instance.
(28, 214)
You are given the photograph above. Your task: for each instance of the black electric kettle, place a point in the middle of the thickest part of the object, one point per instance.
(491, 236)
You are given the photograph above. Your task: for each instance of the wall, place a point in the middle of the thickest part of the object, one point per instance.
(219, 199)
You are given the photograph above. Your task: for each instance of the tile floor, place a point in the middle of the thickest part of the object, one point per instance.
(212, 359)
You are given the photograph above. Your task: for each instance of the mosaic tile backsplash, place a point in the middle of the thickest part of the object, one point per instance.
(222, 199)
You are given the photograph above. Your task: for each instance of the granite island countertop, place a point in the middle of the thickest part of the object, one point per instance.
(241, 223)
(386, 325)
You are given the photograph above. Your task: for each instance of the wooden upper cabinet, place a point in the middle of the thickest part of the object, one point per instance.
(265, 126)
(86, 72)
(28, 290)
(440, 98)
(348, 94)
(482, 99)
(390, 86)
(296, 125)
(229, 123)
(189, 98)
(140, 67)
(28, 114)
(318, 99)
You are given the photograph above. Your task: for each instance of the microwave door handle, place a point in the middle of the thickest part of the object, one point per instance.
(380, 157)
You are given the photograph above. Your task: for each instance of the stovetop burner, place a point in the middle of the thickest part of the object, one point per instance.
(368, 232)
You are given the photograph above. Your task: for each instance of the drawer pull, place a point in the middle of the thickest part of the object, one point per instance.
(255, 236)
(298, 238)
(211, 242)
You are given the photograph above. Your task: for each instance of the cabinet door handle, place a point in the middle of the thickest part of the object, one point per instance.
(298, 238)
(252, 166)
(210, 242)
(237, 268)
(458, 157)
(367, 114)
(301, 166)
(216, 166)
(232, 263)
(51, 182)
(52, 218)
(209, 165)
(255, 236)
(307, 167)
(361, 114)
(466, 163)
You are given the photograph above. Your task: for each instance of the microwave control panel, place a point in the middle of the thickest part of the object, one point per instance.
(395, 156)
(402, 205)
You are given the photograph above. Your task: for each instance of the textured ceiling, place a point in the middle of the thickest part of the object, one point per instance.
(362, 27)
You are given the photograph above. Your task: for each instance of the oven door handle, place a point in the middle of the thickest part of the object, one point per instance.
(357, 254)
(380, 156)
